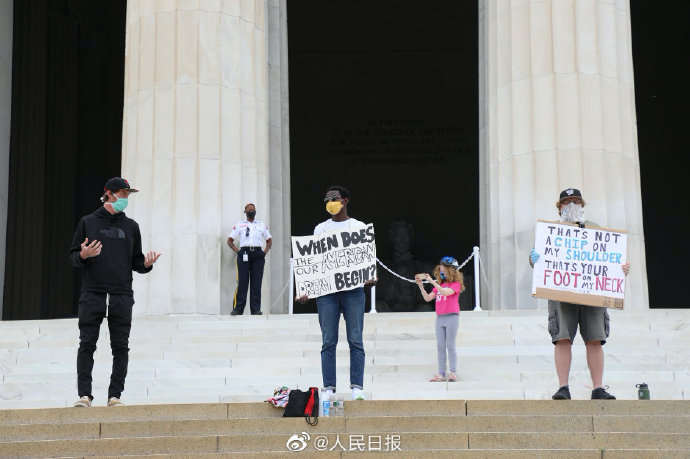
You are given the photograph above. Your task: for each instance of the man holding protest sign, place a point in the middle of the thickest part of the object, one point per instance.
(564, 317)
(336, 281)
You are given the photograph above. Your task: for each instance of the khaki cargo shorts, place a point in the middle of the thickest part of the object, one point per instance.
(564, 319)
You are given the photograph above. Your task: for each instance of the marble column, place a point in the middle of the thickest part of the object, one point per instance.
(196, 142)
(6, 26)
(279, 155)
(557, 110)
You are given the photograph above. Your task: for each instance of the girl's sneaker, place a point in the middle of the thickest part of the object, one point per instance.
(83, 402)
(357, 394)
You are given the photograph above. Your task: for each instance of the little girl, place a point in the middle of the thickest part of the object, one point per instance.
(448, 284)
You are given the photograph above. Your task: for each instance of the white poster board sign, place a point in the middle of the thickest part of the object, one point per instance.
(580, 265)
(333, 262)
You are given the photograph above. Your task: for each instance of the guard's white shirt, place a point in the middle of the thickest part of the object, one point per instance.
(258, 233)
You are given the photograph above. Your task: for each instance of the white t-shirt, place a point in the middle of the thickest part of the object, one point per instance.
(351, 224)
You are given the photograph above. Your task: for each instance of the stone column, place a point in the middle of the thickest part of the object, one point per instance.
(6, 27)
(557, 110)
(279, 154)
(195, 140)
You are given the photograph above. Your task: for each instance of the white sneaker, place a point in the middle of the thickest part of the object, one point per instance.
(114, 401)
(83, 402)
(357, 394)
(328, 394)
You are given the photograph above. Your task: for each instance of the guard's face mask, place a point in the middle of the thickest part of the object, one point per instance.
(251, 214)
(334, 207)
(573, 213)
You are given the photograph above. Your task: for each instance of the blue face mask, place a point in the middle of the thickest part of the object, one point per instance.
(442, 275)
(120, 204)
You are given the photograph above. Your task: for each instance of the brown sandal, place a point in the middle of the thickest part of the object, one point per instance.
(452, 377)
(437, 378)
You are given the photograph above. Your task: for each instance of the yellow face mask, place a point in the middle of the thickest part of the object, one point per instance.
(334, 207)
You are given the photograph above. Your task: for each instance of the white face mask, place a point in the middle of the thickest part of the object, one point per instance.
(573, 213)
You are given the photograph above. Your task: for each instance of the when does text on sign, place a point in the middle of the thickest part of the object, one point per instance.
(334, 261)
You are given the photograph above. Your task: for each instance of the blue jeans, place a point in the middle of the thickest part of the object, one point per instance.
(351, 304)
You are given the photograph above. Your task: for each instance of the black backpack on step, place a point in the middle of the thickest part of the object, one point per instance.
(303, 404)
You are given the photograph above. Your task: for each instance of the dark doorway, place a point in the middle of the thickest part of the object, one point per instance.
(384, 101)
(661, 43)
(66, 135)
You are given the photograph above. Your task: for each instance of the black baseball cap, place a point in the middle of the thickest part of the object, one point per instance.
(570, 193)
(117, 184)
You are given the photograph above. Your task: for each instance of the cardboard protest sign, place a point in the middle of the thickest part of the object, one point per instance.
(333, 262)
(580, 265)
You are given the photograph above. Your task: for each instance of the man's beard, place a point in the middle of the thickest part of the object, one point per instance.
(573, 213)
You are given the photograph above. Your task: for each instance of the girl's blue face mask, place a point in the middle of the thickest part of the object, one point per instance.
(442, 275)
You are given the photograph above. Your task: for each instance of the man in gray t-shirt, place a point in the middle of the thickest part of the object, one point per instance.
(564, 318)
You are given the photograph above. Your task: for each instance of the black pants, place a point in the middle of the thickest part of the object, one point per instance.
(251, 271)
(92, 310)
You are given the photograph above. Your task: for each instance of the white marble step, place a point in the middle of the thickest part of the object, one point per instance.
(502, 355)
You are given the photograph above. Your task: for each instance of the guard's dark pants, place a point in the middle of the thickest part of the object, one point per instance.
(251, 271)
(92, 310)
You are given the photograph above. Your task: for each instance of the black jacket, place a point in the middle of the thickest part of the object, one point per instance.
(111, 271)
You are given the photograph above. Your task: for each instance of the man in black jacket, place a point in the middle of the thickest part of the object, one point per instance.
(107, 247)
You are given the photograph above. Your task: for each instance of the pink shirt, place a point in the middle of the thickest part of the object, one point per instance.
(448, 304)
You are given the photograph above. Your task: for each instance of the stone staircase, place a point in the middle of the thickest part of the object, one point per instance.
(412, 428)
(211, 359)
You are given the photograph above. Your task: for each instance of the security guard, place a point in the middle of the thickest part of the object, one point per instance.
(251, 257)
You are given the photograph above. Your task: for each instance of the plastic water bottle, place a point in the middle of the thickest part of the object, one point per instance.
(340, 407)
(325, 403)
(642, 391)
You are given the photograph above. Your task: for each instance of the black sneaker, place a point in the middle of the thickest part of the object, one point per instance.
(257, 313)
(562, 393)
(236, 312)
(600, 394)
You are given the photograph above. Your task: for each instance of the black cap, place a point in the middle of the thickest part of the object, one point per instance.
(570, 193)
(117, 184)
